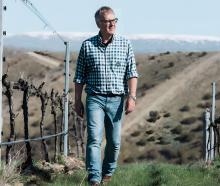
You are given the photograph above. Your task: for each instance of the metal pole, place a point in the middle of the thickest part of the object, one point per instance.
(66, 92)
(206, 134)
(213, 121)
(1, 70)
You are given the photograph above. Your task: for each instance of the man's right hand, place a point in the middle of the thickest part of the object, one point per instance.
(79, 108)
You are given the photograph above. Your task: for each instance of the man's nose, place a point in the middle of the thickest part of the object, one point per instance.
(112, 23)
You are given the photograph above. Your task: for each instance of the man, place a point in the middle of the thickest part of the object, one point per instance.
(107, 66)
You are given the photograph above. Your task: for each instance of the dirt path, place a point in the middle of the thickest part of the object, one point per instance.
(44, 60)
(161, 95)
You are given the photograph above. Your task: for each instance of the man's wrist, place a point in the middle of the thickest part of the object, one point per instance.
(133, 97)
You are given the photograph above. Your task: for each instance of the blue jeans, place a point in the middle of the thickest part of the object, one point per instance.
(103, 112)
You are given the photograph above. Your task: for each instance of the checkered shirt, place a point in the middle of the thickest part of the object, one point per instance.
(105, 69)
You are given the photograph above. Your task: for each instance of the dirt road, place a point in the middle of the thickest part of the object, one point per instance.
(44, 60)
(161, 95)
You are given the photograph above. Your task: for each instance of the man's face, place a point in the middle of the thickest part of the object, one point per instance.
(107, 23)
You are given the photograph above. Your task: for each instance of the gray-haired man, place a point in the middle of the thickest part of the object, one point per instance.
(106, 64)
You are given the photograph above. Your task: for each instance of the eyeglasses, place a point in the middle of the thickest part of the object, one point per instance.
(113, 21)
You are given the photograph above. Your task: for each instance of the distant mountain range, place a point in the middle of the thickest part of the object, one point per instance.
(142, 43)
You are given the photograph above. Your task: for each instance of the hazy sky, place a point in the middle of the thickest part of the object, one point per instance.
(185, 17)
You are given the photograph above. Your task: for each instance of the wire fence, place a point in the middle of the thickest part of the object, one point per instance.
(27, 89)
(77, 130)
(33, 139)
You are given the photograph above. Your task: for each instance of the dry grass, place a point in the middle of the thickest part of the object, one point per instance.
(10, 173)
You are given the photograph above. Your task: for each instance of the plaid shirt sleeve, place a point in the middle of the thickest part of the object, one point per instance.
(80, 76)
(131, 64)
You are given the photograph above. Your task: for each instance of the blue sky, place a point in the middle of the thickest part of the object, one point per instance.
(179, 17)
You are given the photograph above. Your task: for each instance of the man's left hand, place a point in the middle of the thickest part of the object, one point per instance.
(130, 105)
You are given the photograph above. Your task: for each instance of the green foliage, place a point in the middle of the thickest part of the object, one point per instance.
(151, 174)
(60, 159)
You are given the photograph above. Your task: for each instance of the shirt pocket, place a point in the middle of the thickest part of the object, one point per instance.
(119, 65)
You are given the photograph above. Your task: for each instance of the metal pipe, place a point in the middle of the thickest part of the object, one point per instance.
(66, 92)
(1, 70)
(206, 134)
(213, 122)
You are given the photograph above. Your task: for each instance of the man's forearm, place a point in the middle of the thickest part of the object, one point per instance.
(132, 85)
(78, 91)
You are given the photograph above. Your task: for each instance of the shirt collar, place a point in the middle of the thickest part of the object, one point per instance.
(100, 39)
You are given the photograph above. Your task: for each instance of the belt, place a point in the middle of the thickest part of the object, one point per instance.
(107, 95)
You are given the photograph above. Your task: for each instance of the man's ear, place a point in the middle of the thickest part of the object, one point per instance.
(98, 24)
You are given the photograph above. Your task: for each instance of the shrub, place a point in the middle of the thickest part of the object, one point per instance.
(217, 96)
(190, 54)
(184, 138)
(165, 53)
(151, 138)
(196, 144)
(149, 132)
(168, 154)
(198, 128)
(202, 54)
(154, 116)
(141, 143)
(170, 64)
(163, 141)
(128, 160)
(204, 105)
(177, 130)
(188, 121)
(166, 115)
(151, 154)
(185, 108)
(207, 96)
(146, 86)
(135, 134)
(152, 120)
(151, 57)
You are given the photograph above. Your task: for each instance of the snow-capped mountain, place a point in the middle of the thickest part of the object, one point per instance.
(141, 43)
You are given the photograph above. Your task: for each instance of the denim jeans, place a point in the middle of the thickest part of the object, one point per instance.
(103, 112)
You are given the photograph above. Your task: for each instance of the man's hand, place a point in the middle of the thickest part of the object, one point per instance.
(79, 108)
(130, 105)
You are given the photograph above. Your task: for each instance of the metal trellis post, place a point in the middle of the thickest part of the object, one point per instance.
(206, 134)
(1, 70)
(66, 92)
(213, 122)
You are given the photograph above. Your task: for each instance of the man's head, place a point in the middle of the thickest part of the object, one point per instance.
(105, 20)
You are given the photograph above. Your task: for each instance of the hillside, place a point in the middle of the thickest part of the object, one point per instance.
(175, 86)
(167, 124)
